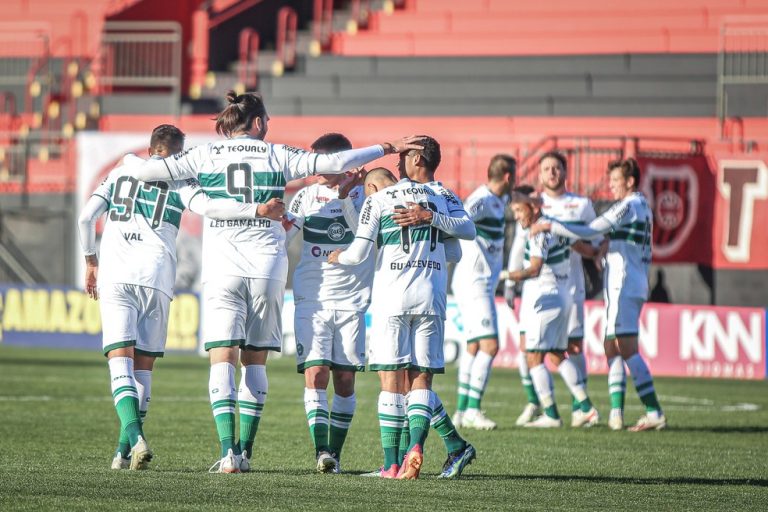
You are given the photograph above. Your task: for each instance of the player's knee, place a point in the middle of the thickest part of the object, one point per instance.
(316, 377)
(490, 346)
(343, 382)
(534, 358)
(575, 346)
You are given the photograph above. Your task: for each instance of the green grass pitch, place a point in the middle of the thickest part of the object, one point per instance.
(58, 430)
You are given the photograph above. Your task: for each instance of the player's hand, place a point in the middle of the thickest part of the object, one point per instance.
(602, 250)
(539, 227)
(352, 179)
(334, 257)
(272, 209)
(91, 277)
(413, 215)
(404, 144)
(287, 222)
(509, 295)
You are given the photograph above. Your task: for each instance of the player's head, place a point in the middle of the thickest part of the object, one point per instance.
(378, 179)
(166, 140)
(245, 114)
(553, 169)
(525, 212)
(623, 177)
(331, 143)
(502, 169)
(421, 163)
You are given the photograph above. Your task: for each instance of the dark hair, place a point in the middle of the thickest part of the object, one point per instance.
(557, 156)
(430, 153)
(500, 166)
(629, 169)
(238, 116)
(166, 135)
(525, 190)
(331, 143)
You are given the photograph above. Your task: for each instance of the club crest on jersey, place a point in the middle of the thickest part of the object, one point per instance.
(336, 231)
(672, 191)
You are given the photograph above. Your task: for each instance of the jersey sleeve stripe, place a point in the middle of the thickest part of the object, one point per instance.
(102, 197)
(169, 170)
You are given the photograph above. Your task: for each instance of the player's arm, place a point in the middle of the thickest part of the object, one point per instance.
(538, 248)
(301, 164)
(456, 223)
(195, 198)
(177, 167)
(452, 250)
(86, 224)
(514, 262)
(294, 217)
(599, 227)
(528, 273)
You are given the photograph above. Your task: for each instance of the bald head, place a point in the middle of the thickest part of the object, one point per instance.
(378, 179)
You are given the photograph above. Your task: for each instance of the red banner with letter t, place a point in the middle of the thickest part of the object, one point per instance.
(679, 191)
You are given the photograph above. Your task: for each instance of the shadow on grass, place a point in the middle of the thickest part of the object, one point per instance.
(743, 429)
(756, 482)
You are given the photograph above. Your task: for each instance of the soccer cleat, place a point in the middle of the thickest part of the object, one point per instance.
(411, 464)
(140, 455)
(337, 469)
(585, 419)
(544, 421)
(230, 463)
(528, 414)
(648, 422)
(326, 463)
(455, 463)
(245, 463)
(458, 419)
(616, 420)
(119, 462)
(479, 421)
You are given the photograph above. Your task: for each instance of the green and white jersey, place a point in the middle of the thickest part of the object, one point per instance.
(482, 258)
(571, 209)
(251, 171)
(411, 273)
(328, 223)
(138, 245)
(555, 251)
(629, 251)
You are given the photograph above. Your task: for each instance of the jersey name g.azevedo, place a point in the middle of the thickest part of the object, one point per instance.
(319, 214)
(553, 279)
(138, 244)
(573, 209)
(251, 171)
(629, 251)
(482, 258)
(411, 274)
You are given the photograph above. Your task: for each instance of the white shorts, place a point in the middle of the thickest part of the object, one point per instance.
(243, 312)
(478, 315)
(407, 341)
(576, 319)
(134, 316)
(622, 314)
(331, 338)
(545, 325)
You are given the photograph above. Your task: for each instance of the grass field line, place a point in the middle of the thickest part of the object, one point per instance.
(672, 403)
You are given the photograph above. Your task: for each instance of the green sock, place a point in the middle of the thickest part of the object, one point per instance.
(447, 430)
(463, 397)
(419, 416)
(318, 429)
(128, 411)
(224, 416)
(530, 392)
(575, 404)
(586, 405)
(250, 416)
(405, 442)
(617, 400)
(342, 412)
(651, 402)
(551, 411)
(391, 418)
(123, 445)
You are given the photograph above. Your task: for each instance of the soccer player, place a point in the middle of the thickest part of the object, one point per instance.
(543, 312)
(474, 286)
(569, 208)
(245, 263)
(135, 278)
(330, 304)
(409, 291)
(628, 224)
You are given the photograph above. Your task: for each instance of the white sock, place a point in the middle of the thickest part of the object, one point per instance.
(478, 380)
(144, 388)
(542, 383)
(316, 407)
(570, 374)
(617, 378)
(522, 367)
(465, 369)
(641, 377)
(221, 386)
(342, 408)
(122, 376)
(254, 386)
(581, 364)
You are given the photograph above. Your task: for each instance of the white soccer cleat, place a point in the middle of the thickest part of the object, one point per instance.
(245, 463)
(230, 463)
(649, 422)
(326, 463)
(140, 455)
(458, 419)
(585, 419)
(616, 420)
(479, 421)
(528, 414)
(119, 462)
(544, 421)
